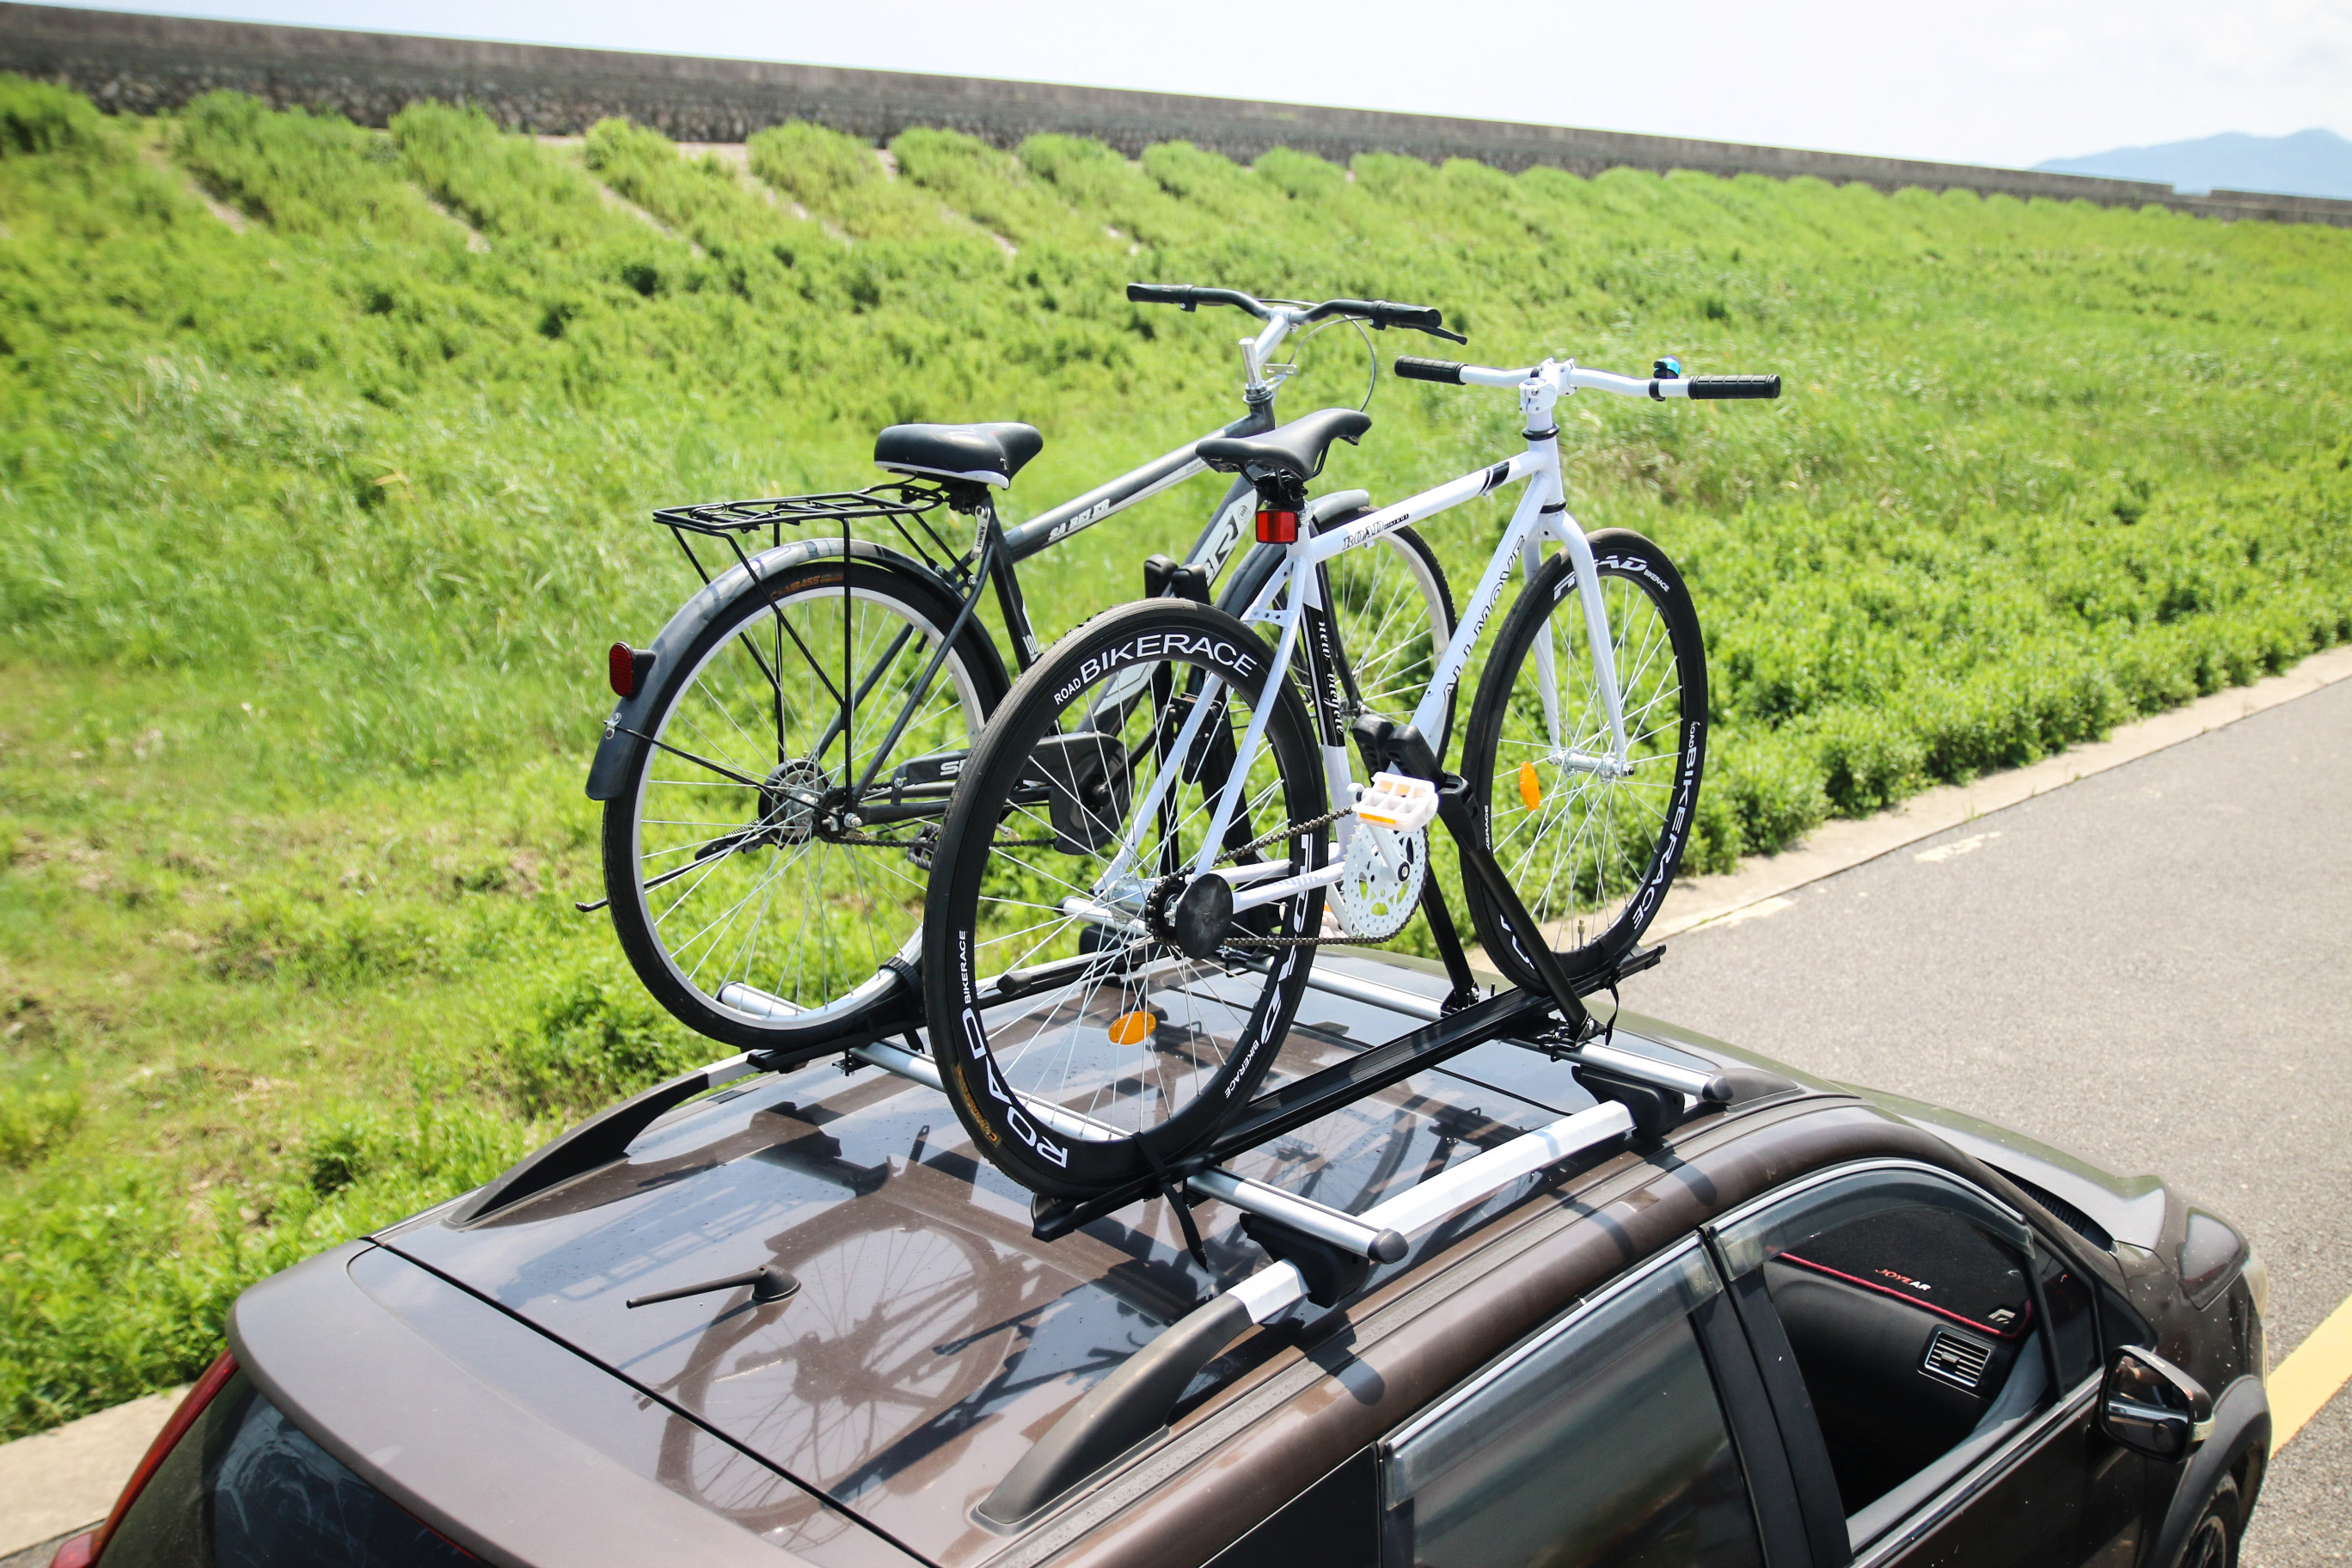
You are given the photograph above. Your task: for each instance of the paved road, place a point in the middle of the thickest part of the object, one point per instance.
(2152, 967)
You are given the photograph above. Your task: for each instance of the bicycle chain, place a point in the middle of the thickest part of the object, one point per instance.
(1279, 834)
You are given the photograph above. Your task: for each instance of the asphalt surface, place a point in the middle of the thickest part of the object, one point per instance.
(2152, 967)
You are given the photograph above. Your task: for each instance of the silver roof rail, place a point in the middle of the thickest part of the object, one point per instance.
(1133, 1402)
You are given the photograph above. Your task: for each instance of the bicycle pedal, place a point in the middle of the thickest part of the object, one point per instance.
(1398, 803)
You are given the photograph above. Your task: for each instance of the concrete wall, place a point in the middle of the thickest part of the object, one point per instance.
(146, 64)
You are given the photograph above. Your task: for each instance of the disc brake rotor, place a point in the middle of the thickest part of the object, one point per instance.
(1381, 880)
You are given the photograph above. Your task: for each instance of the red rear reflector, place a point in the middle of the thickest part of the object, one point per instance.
(215, 1379)
(627, 668)
(1278, 527)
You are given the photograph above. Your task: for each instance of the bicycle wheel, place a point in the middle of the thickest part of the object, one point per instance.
(1394, 613)
(1092, 1011)
(748, 904)
(1590, 850)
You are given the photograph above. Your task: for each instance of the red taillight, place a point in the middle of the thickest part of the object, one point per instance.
(215, 1379)
(627, 668)
(1276, 527)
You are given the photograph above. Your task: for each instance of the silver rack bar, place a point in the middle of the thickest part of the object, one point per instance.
(1340, 1230)
(1412, 1004)
(1474, 1181)
(1712, 1087)
(906, 1064)
(1345, 1231)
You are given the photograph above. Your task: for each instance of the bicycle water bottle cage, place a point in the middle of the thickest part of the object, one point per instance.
(1397, 803)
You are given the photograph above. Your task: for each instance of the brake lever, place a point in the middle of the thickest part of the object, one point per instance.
(1442, 332)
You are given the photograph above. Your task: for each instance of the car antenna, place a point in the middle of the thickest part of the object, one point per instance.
(768, 1284)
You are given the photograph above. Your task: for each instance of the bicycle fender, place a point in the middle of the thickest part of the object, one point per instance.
(625, 731)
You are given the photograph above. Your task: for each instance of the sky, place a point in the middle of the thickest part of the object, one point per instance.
(1995, 81)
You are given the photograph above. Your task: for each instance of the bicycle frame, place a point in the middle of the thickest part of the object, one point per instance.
(999, 550)
(1296, 589)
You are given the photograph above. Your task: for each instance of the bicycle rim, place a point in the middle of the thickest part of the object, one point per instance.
(750, 920)
(1588, 850)
(1080, 1044)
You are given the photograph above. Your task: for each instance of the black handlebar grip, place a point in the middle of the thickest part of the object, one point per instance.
(1418, 316)
(1159, 293)
(1733, 386)
(1444, 370)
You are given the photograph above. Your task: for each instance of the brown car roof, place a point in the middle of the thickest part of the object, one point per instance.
(933, 1339)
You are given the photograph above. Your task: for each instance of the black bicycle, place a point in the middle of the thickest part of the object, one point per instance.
(777, 770)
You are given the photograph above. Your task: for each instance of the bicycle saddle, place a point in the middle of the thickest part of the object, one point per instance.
(982, 454)
(1294, 449)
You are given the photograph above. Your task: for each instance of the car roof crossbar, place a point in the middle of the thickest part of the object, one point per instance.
(1319, 1238)
(1133, 1403)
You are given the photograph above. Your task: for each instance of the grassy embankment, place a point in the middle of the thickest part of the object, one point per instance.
(315, 530)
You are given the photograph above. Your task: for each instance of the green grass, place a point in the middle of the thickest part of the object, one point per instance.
(317, 531)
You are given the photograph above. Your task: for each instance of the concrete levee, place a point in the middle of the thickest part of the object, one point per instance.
(143, 64)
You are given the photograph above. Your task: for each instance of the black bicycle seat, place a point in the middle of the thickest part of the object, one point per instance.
(1294, 449)
(982, 454)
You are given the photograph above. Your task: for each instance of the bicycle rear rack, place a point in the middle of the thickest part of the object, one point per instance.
(903, 505)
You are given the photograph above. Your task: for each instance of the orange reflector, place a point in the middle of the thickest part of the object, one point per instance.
(1132, 1028)
(1530, 789)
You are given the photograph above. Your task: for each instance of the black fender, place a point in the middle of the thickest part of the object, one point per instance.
(2242, 1422)
(625, 731)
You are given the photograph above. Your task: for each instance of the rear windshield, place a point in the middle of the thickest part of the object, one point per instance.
(245, 1488)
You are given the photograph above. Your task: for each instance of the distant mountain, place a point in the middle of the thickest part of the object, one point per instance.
(2307, 164)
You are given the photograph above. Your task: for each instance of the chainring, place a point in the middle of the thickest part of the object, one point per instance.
(1379, 883)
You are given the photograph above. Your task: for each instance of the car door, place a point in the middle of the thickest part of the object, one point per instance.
(1932, 1370)
(1631, 1432)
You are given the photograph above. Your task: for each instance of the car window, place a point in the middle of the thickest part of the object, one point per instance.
(2073, 1326)
(1599, 1442)
(1909, 1311)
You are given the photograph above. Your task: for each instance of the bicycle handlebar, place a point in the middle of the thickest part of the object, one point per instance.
(1660, 387)
(1382, 313)
(1185, 296)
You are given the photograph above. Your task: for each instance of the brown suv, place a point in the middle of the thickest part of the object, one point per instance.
(1812, 1325)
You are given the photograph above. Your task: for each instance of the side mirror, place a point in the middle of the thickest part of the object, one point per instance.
(2153, 1407)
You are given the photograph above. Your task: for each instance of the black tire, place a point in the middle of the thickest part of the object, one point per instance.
(2213, 1541)
(1393, 609)
(1593, 868)
(710, 945)
(1042, 1076)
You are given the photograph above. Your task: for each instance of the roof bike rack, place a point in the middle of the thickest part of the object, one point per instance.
(1134, 1402)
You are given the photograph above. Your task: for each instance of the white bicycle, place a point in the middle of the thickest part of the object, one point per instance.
(1135, 863)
